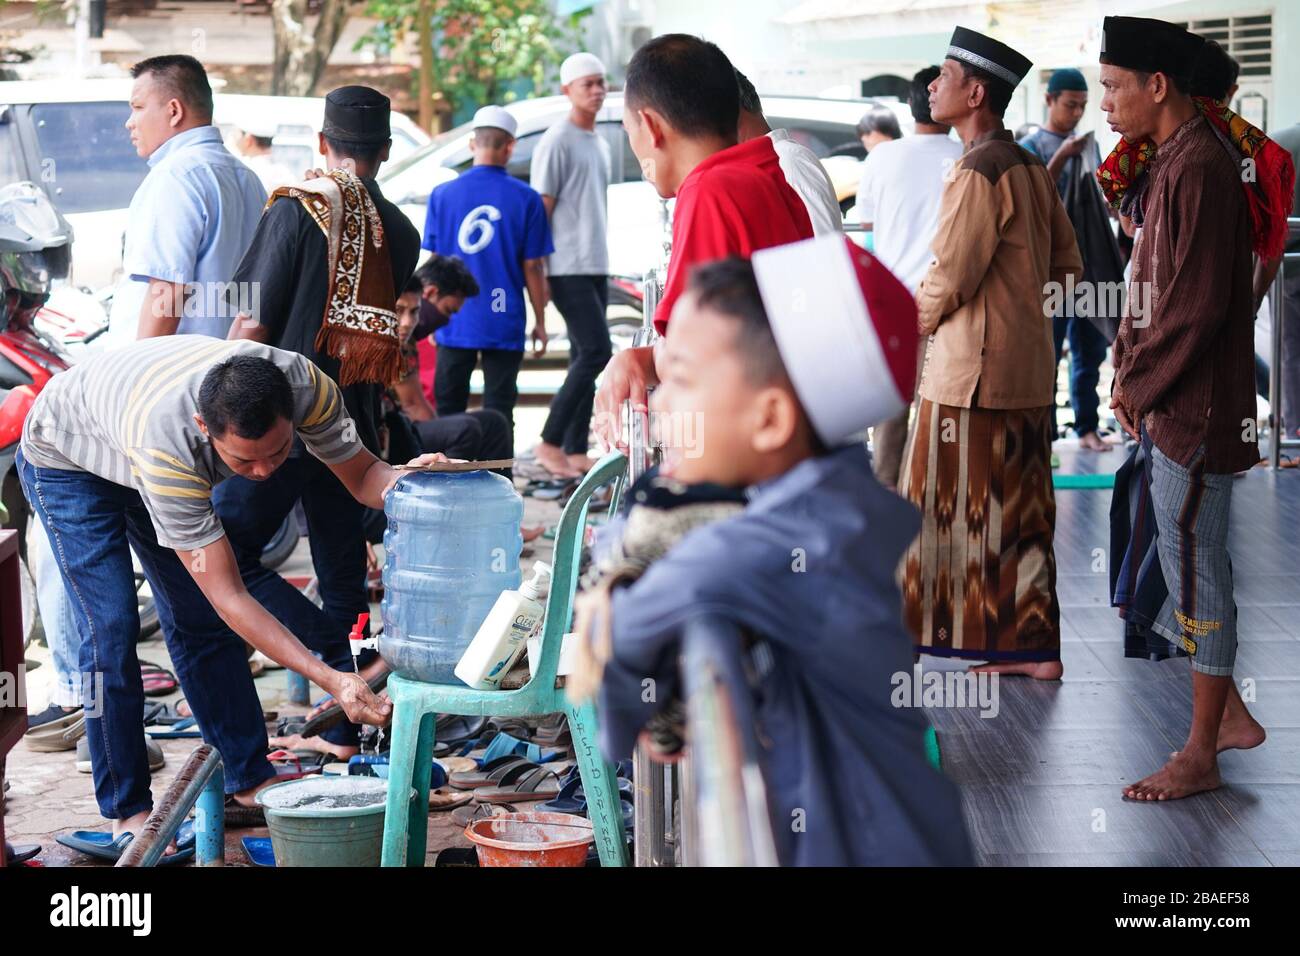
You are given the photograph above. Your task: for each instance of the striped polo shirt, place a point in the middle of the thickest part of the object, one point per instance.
(128, 417)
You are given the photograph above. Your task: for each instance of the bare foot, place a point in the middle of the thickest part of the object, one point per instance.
(1039, 670)
(299, 742)
(553, 459)
(247, 798)
(133, 825)
(1240, 734)
(580, 463)
(1094, 442)
(1181, 777)
(532, 532)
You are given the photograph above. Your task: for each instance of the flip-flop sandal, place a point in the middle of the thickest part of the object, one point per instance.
(376, 765)
(57, 735)
(158, 681)
(446, 799)
(505, 744)
(533, 783)
(259, 850)
(163, 714)
(103, 846)
(238, 815)
(290, 725)
(19, 853)
(184, 729)
(490, 773)
(457, 856)
(288, 765)
(464, 816)
(455, 734)
(458, 764)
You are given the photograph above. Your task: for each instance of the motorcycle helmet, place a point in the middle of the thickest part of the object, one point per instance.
(35, 243)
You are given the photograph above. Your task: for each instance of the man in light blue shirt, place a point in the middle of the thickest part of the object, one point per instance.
(192, 217)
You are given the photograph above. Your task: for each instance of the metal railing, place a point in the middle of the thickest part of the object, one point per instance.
(200, 784)
(710, 807)
(728, 823)
(1277, 310)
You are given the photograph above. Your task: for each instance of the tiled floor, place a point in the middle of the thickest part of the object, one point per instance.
(1041, 781)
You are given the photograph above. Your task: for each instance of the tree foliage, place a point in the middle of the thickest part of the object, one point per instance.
(481, 49)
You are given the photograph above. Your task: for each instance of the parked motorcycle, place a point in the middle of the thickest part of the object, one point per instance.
(44, 326)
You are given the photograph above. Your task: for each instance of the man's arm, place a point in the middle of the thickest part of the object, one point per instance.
(264, 278)
(160, 312)
(629, 376)
(970, 228)
(415, 404)
(369, 480)
(1071, 148)
(549, 203)
(538, 295)
(1265, 273)
(1066, 260)
(216, 572)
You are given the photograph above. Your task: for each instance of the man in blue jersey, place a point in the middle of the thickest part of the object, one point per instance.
(497, 225)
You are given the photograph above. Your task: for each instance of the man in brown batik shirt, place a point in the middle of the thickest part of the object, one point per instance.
(1184, 362)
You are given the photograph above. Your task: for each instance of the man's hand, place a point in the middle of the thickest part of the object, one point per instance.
(1073, 146)
(628, 376)
(1127, 418)
(358, 701)
(540, 339)
(397, 471)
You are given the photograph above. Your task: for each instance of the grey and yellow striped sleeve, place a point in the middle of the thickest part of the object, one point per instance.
(178, 499)
(322, 419)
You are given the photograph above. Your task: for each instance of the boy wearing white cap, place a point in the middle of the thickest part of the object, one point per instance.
(497, 226)
(805, 569)
(571, 170)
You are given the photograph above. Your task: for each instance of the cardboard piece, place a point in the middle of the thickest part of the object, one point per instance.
(455, 466)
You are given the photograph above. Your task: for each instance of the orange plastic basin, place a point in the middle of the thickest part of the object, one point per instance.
(531, 839)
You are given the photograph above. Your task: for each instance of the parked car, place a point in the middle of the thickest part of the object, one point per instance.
(68, 136)
(635, 237)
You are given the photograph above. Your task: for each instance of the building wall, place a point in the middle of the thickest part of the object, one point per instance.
(1054, 33)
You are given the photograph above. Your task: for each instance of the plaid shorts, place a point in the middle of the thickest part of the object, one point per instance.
(1191, 510)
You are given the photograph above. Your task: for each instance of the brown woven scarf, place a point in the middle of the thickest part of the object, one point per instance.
(359, 327)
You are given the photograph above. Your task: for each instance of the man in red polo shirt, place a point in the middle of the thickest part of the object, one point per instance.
(680, 109)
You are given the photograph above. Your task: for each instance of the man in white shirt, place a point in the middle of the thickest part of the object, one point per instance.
(254, 144)
(898, 200)
(571, 170)
(800, 165)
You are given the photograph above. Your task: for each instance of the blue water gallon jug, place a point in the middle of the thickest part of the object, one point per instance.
(451, 547)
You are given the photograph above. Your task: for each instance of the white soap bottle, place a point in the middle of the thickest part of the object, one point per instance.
(504, 632)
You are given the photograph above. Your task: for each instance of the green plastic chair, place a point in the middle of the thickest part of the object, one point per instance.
(416, 705)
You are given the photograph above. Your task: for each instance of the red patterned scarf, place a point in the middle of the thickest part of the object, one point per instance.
(359, 327)
(1270, 192)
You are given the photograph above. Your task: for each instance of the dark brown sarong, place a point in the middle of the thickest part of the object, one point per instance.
(980, 579)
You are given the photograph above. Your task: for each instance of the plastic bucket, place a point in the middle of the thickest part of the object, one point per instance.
(326, 821)
(531, 839)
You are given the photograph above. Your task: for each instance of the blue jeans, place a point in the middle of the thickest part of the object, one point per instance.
(57, 619)
(252, 511)
(93, 526)
(1087, 352)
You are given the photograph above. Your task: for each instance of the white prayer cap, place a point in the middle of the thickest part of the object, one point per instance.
(261, 128)
(846, 329)
(579, 65)
(497, 118)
